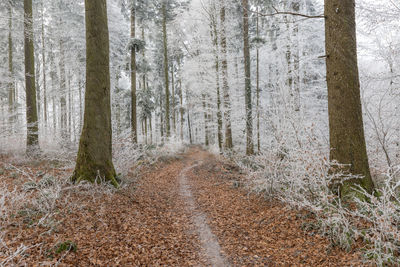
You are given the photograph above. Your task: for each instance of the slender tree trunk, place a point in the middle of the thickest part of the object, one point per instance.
(95, 148)
(214, 37)
(69, 105)
(181, 110)
(296, 59)
(347, 141)
(44, 71)
(53, 72)
(165, 43)
(63, 92)
(116, 101)
(37, 79)
(161, 119)
(225, 86)
(258, 81)
(133, 75)
(31, 109)
(248, 99)
(206, 140)
(173, 97)
(151, 129)
(11, 85)
(188, 118)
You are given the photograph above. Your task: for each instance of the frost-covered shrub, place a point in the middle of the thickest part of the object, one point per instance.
(296, 171)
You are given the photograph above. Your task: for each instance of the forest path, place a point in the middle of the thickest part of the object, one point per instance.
(224, 225)
(184, 211)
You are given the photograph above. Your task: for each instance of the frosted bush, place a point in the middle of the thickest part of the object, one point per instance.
(298, 174)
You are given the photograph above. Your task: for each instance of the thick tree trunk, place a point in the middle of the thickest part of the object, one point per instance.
(31, 109)
(225, 85)
(347, 141)
(133, 76)
(94, 159)
(166, 66)
(248, 99)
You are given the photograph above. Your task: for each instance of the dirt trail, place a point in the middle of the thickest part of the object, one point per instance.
(185, 212)
(211, 249)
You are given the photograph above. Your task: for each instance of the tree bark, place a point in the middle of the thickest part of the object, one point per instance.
(258, 80)
(214, 37)
(248, 99)
(173, 97)
(347, 141)
(225, 85)
(133, 75)
(44, 71)
(63, 93)
(94, 159)
(31, 108)
(166, 67)
(11, 85)
(206, 140)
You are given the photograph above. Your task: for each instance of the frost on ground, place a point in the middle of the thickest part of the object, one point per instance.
(37, 198)
(296, 171)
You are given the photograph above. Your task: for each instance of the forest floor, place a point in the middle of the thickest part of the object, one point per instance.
(190, 211)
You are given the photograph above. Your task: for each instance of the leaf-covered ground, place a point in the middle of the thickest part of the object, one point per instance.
(184, 212)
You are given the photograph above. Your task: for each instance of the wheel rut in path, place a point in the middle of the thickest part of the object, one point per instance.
(208, 241)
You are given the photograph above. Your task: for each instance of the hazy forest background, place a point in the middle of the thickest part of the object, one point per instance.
(300, 96)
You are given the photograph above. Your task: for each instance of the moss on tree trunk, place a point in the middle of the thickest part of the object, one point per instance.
(347, 141)
(32, 143)
(95, 153)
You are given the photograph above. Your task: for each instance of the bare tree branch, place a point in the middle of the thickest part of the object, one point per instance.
(277, 12)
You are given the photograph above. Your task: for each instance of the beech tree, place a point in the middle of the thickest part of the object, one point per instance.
(94, 160)
(133, 73)
(31, 108)
(225, 84)
(248, 99)
(347, 141)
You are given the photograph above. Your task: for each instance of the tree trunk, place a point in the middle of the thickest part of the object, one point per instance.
(161, 118)
(225, 86)
(44, 71)
(53, 89)
(258, 82)
(248, 99)
(296, 59)
(63, 92)
(133, 75)
(181, 110)
(165, 43)
(11, 85)
(173, 97)
(206, 140)
(31, 109)
(94, 159)
(347, 141)
(214, 37)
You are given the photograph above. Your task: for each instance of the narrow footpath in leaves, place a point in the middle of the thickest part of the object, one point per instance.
(187, 212)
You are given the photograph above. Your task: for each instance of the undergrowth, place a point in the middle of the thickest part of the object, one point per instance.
(38, 193)
(297, 173)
